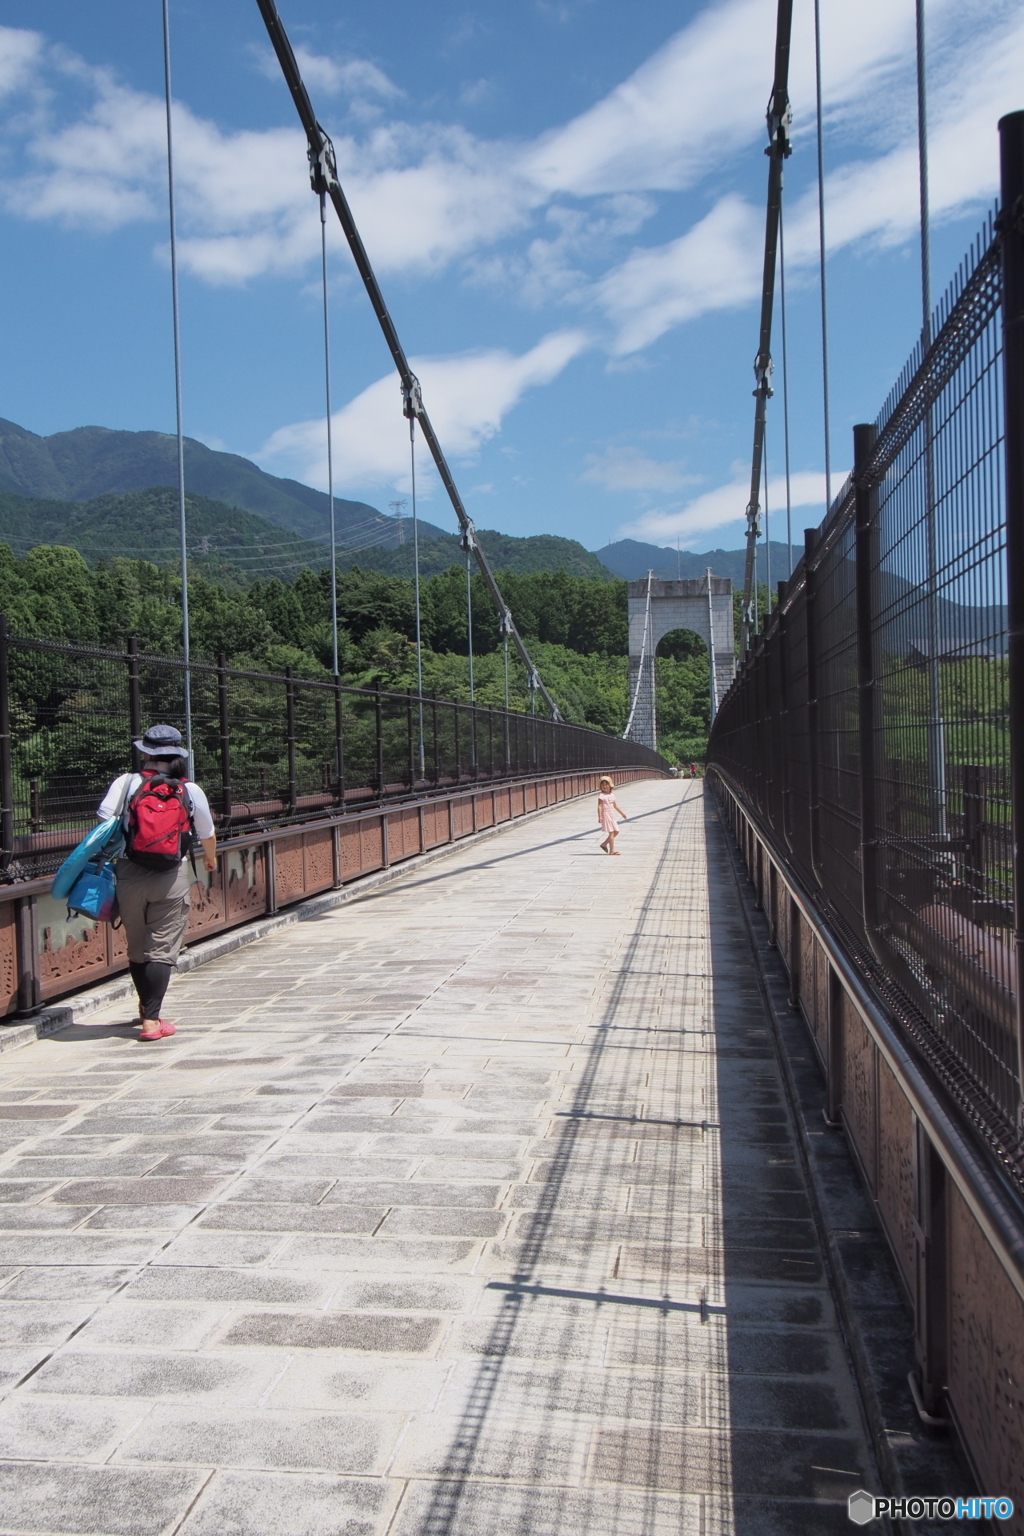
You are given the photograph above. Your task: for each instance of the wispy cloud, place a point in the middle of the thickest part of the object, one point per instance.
(725, 504)
(715, 265)
(467, 397)
(628, 469)
(20, 52)
(548, 217)
(357, 78)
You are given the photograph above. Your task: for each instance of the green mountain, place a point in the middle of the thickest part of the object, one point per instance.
(96, 461)
(225, 543)
(632, 559)
(228, 544)
(540, 552)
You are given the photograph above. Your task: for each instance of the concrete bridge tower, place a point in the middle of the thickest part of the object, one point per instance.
(703, 604)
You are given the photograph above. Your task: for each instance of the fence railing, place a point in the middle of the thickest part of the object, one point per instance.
(270, 749)
(869, 727)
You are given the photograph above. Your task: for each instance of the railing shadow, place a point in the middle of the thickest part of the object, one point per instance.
(789, 1405)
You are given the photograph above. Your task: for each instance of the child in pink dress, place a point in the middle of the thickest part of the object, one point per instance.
(608, 812)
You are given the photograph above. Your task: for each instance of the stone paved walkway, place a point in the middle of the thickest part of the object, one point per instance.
(470, 1208)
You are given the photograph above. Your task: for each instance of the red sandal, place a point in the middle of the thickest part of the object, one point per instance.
(164, 1027)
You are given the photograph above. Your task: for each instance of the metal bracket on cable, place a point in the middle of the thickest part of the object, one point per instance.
(467, 541)
(412, 398)
(323, 167)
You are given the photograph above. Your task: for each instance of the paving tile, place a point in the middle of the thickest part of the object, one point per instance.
(335, 1442)
(39, 1322)
(149, 1324)
(293, 1504)
(224, 1249)
(149, 1218)
(83, 1372)
(209, 1284)
(152, 1191)
(38, 1429)
(471, 1508)
(380, 1332)
(74, 1501)
(17, 1362)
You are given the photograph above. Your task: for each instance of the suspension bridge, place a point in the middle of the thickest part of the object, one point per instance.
(490, 1183)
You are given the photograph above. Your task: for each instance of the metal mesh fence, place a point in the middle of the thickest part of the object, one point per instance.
(869, 726)
(269, 749)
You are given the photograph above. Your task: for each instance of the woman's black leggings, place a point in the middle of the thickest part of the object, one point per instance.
(151, 979)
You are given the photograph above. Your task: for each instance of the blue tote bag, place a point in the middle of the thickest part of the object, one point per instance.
(86, 879)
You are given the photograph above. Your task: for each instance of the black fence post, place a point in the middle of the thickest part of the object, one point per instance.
(458, 745)
(378, 715)
(6, 770)
(134, 696)
(289, 692)
(437, 764)
(409, 733)
(1011, 157)
(811, 649)
(339, 738)
(225, 735)
(865, 502)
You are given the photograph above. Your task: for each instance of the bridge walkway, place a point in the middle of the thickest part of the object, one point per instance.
(471, 1207)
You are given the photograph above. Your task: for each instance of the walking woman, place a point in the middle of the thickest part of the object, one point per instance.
(608, 812)
(162, 813)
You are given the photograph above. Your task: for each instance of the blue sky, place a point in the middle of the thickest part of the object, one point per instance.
(564, 203)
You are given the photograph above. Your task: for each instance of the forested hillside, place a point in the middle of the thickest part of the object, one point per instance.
(575, 627)
(230, 545)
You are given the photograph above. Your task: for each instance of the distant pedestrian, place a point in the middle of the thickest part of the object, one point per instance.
(163, 814)
(608, 812)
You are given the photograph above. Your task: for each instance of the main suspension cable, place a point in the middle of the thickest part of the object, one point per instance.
(778, 120)
(323, 168)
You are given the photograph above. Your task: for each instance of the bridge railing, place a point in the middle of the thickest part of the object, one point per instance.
(272, 750)
(869, 727)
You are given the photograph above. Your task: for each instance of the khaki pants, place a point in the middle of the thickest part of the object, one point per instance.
(154, 907)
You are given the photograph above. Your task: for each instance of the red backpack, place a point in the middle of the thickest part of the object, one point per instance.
(158, 822)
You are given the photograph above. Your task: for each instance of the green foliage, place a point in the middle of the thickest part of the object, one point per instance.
(575, 627)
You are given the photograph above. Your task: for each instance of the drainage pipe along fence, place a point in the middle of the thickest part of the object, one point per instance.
(869, 758)
(312, 783)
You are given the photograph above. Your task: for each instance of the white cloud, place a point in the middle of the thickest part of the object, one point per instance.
(727, 504)
(20, 52)
(467, 397)
(356, 78)
(627, 469)
(715, 265)
(427, 194)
